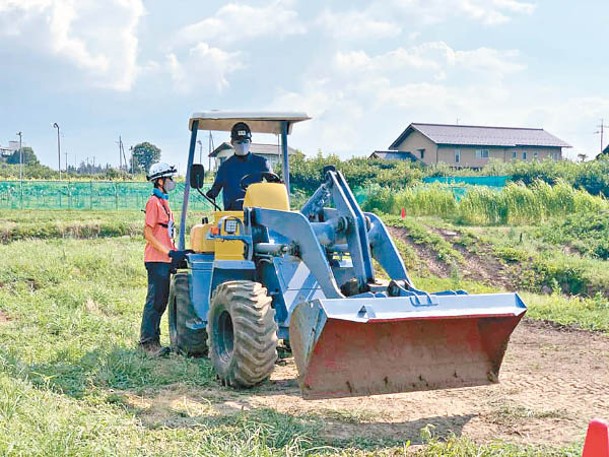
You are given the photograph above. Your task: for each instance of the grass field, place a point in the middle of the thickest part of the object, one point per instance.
(73, 383)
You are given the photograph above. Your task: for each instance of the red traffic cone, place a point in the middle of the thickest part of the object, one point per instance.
(403, 213)
(597, 439)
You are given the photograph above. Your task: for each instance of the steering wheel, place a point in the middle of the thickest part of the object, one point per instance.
(258, 177)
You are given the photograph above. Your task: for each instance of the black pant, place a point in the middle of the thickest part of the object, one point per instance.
(159, 274)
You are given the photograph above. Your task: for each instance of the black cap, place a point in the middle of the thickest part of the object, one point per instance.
(240, 131)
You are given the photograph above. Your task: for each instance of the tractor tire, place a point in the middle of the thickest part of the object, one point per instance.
(184, 339)
(242, 333)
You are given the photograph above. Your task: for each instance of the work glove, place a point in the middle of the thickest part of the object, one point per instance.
(178, 258)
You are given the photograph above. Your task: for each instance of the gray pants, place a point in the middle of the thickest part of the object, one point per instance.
(159, 274)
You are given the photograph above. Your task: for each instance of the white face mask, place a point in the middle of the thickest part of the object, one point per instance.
(241, 149)
(170, 185)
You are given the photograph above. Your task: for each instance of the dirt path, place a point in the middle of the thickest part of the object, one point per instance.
(431, 264)
(480, 266)
(553, 381)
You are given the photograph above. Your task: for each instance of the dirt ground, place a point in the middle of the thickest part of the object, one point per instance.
(553, 381)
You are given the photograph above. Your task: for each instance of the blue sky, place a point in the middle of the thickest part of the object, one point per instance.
(363, 70)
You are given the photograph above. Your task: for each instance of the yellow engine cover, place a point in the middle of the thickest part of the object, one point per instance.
(198, 238)
(270, 195)
(228, 250)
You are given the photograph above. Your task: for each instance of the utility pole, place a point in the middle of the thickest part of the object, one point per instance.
(56, 125)
(66, 162)
(20, 157)
(601, 130)
(120, 153)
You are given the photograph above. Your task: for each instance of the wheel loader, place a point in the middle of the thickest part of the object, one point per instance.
(307, 277)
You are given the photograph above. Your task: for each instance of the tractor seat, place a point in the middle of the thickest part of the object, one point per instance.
(271, 195)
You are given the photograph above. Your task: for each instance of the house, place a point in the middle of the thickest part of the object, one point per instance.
(271, 152)
(604, 154)
(6, 151)
(465, 146)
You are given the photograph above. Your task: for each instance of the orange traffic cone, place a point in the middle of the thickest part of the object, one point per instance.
(597, 439)
(403, 213)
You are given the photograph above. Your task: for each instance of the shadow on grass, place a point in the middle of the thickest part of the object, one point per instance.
(172, 393)
(280, 429)
(112, 368)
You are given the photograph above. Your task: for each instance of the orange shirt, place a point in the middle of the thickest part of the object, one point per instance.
(160, 218)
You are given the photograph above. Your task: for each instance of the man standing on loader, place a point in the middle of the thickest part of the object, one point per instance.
(236, 167)
(160, 256)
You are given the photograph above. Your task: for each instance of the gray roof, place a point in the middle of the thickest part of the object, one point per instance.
(256, 148)
(393, 155)
(469, 135)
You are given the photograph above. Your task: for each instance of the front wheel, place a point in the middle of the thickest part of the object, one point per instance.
(242, 333)
(182, 317)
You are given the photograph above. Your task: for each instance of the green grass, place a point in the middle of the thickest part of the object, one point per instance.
(51, 224)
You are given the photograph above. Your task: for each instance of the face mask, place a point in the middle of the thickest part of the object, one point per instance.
(241, 149)
(170, 185)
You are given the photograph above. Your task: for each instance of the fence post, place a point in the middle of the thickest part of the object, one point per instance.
(90, 194)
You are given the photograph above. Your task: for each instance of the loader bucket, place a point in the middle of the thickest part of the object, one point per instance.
(367, 346)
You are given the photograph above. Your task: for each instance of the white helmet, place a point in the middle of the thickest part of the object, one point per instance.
(160, 170)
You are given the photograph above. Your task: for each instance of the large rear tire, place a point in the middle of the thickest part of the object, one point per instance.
(242, 333)
(181, 313)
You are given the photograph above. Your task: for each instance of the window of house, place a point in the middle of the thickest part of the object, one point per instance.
(422, 151)
(555, 155)
(457, 155)
(524, 155)
(514, 155)
(481, 153)
(535, 155)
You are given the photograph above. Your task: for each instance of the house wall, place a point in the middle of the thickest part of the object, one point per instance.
(447, 154)
(416, 141)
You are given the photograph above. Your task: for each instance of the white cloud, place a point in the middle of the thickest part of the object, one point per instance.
(204, 67)
(357, 25)
(360, 101)
(488, 12)
(100, 40)
(238, 23)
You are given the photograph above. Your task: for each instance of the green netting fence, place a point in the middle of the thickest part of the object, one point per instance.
(93, 195)
(460, 184)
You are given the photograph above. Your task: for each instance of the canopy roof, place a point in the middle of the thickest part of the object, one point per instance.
(259, 122)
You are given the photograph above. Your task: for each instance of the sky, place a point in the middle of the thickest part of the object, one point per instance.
(363, 70)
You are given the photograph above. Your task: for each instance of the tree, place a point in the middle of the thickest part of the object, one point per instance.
(145, 154)
(29, 157)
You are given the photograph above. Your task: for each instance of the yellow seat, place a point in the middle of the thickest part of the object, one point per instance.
(271, 195)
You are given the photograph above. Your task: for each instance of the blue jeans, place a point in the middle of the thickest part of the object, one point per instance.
(159, 274)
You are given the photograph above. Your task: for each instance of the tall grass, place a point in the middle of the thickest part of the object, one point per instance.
(515, 204)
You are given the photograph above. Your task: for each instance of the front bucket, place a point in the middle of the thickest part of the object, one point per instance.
(367, 346)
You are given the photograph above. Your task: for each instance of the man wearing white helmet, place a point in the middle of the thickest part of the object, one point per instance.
(160, 256)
